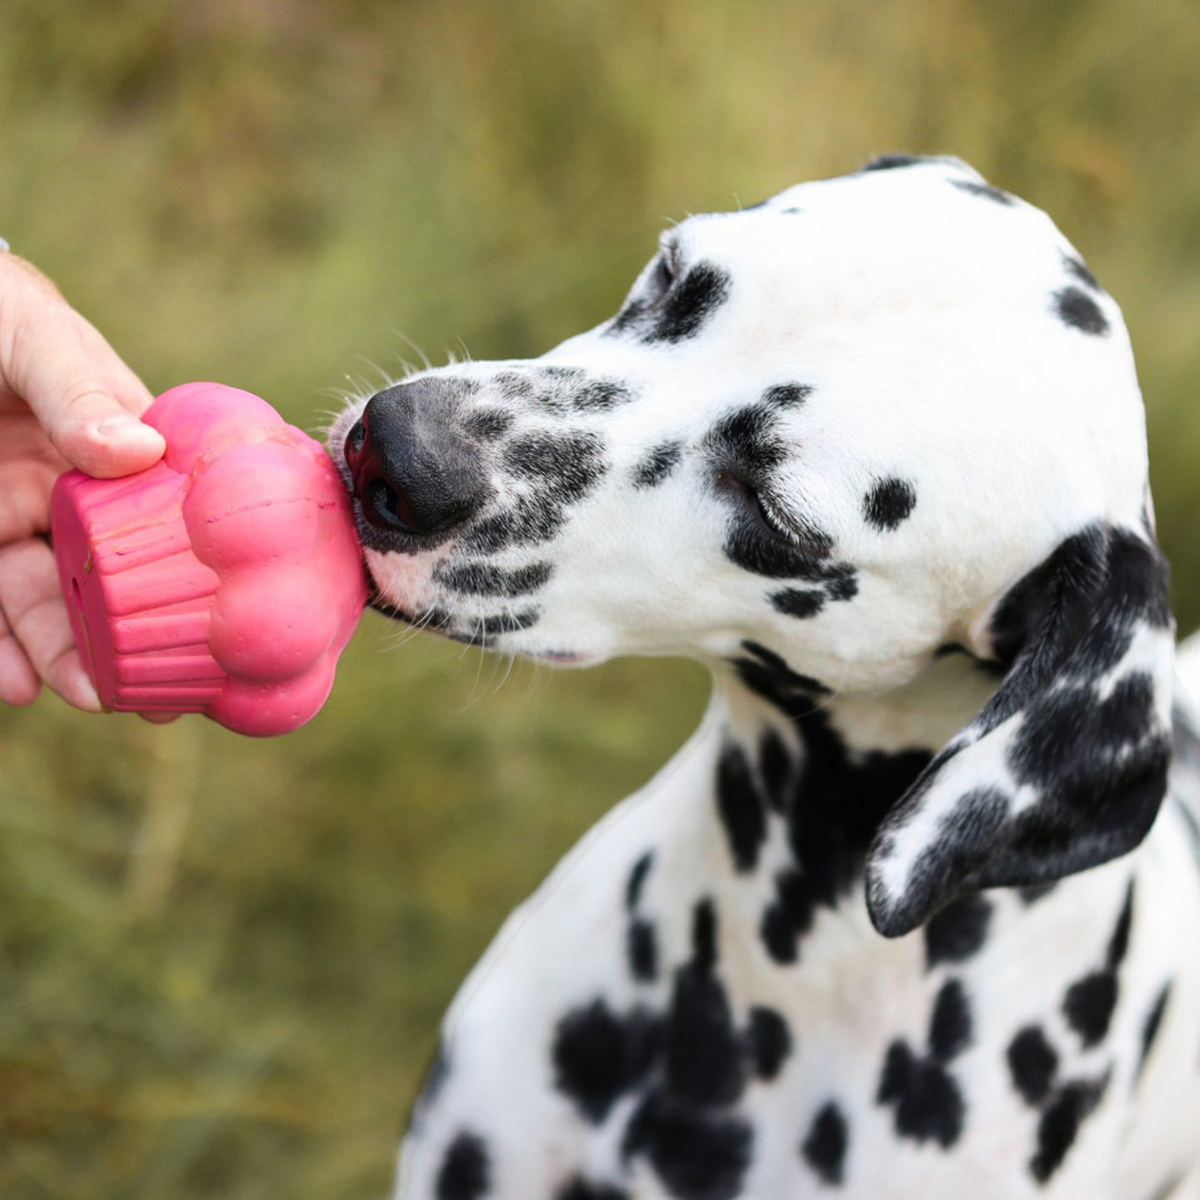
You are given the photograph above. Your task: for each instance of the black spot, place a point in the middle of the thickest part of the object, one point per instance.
(584, 1189)
(691, 303)
(829, 838)
(484, 579)
(747, 441)
(1060, 1124)
(601, 395)
(927, 1101)
(1036, 891)
(1033, 1064)
(642, 950)
(775, 767)
(1151, 1025)
(958, 932)
(1089, 1005)
(768, 675)
(752, 546)
(658, 464)
(637, 880)
(950, 1025)
(506, 622)
(840, 581)
(984, 189)
(697, 1155)
(704, 935)
(629, 318)
(464, 1171)
(1118, 944)
(798, 602)
(740, 807)
(1077, 309)
(825, 1147)
(787, 395)
(703, 1051)
(1080, 270)
(600, 1055)
(888, 504)
(768, 1041)
(568, 464)
(558, 470)
(487, 424)
(889, 162)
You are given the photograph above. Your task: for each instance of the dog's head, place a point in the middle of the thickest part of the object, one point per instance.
(870, 418)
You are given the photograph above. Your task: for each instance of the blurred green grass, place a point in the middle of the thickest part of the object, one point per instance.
(223, 961)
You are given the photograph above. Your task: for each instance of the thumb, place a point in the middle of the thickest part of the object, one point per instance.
(84, 396)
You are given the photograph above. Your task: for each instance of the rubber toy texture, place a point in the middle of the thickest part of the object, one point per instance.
(224, 580)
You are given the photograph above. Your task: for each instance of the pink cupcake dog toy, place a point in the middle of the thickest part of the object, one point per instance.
(226, 579)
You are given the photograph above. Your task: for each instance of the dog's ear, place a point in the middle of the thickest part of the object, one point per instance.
(1066, 764)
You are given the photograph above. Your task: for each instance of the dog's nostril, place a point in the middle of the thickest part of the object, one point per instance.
(385, 507)
(356, 437)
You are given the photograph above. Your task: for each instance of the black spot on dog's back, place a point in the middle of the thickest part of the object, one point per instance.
(740, 807)
(698, 1155)
(768, 1041)
(637, 880)
(599, 1055)
(642, 951)
(889, 503)
(691, 303)
(824, 1148)
(1060, 1124)
(958, 932)
(1152, 1024)
(584, 1189)
(464, 1173)
(1033, 1063)
(1088, 1005)
(927, 1102)
(950, 1025)
(1078, 310)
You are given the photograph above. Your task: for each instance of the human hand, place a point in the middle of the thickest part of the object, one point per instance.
(66, 399)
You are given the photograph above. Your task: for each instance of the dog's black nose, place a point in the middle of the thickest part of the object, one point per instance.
(414, 472)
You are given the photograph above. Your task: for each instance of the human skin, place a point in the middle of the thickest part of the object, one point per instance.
(66, 399)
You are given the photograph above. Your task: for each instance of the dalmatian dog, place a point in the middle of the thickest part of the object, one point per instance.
(916, 912)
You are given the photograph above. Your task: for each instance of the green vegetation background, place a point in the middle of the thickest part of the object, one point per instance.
(222, 962)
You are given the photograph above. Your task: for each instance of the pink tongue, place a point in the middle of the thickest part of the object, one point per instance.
(226, 579)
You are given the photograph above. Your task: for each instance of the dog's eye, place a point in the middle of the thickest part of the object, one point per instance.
(663, 278)
(666, 271)
(752, 503)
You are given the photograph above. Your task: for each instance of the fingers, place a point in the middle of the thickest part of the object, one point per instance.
(36, 642)
(85, 397)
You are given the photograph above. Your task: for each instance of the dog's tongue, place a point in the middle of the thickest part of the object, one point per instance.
(226, 579)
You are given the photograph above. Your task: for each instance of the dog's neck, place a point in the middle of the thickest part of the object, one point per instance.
(822, 771)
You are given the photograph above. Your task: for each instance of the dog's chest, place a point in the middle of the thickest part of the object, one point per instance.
(635, 1030)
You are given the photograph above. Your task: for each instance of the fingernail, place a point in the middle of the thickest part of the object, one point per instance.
(123, 428)
(81, 692)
